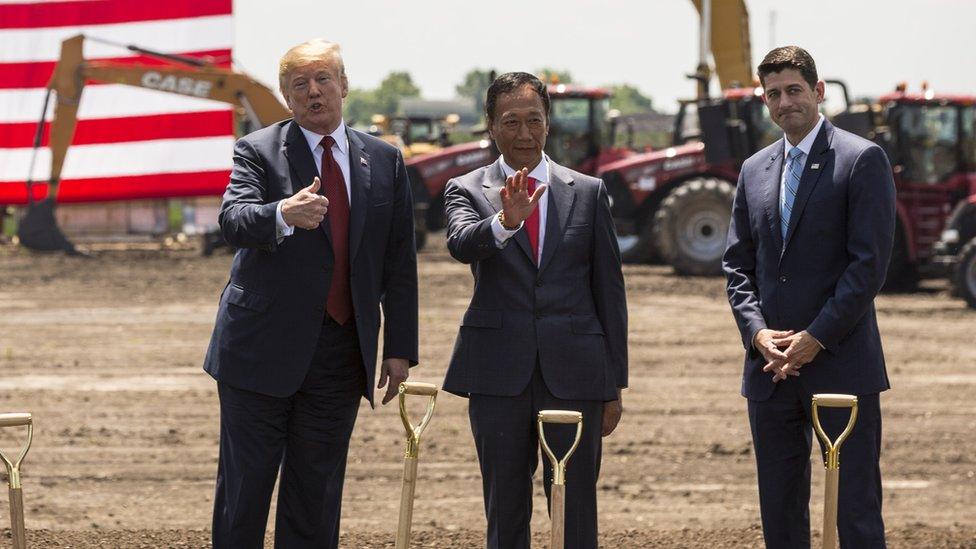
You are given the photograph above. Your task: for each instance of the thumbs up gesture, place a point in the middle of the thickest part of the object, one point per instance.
(306, 209)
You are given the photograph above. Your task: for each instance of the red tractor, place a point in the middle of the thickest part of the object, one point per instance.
(582, 130)
(675, 204)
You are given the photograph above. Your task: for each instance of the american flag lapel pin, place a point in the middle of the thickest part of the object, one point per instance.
(362, 162)
(815, 167)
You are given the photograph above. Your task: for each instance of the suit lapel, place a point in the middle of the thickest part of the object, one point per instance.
(819, 156)
(561, 198)
(300, 158)
(494, 181)
(771, 182)
(360, 185)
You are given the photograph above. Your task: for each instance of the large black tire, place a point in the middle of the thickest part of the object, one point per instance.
(964, 277)
(902, 277)
(691, 225)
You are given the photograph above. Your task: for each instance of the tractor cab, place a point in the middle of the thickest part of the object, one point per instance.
(932, 137)
(581, 128)
(732, 127)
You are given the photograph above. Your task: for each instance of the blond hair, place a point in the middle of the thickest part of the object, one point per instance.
(307, 52)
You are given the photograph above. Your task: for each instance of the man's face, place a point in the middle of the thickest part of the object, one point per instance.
(792, 103)
(519, 127)
(314, 94)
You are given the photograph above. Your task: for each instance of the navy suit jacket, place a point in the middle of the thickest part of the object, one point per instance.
(823, 278)
(271, 310)
(569, 312)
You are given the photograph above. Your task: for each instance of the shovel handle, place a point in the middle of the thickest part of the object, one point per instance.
(557, 514)
(565, 417)
(17, 518)
(560, 416)
(407, 490)
(417, 388)
(414, 431)
(828, 400)
(15, 419)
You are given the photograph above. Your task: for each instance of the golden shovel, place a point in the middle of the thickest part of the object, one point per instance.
(557, 509)
(411, 455)
(13, 477)
(832, 463)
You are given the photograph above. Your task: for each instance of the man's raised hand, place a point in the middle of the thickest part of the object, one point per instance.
(517, 205)
(305, 209)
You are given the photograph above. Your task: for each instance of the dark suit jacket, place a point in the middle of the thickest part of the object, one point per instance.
(824, 277)
(272, 308)
(570, 312)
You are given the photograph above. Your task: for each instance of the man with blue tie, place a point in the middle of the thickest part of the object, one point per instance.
(808, 247)
(322, 219)
(547, 324)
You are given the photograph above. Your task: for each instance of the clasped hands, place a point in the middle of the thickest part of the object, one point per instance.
(517, 205)
(785, 351)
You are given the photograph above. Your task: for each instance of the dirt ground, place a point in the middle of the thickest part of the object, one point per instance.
(106, 353)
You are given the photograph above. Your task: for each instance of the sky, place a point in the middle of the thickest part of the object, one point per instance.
(651, 44)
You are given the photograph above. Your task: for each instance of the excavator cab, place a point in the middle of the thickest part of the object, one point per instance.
(732, 128)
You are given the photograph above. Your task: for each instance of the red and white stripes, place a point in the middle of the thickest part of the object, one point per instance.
(130, 142)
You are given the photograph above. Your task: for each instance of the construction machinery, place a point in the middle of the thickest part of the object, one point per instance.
(256, 106)
(414, 135)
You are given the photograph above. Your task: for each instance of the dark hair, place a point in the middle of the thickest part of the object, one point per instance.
(789, 57)
(509, 82)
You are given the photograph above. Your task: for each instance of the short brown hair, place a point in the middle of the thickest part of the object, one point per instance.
(789, 57)
(306, 52)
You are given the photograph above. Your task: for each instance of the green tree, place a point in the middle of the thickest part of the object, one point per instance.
(629, 100)
(361, 104)
(396, 86)
(474, 86)
(547, 74)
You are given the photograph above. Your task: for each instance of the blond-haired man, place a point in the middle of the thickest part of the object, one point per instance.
(322, 219)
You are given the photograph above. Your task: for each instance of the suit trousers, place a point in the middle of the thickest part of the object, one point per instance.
(506, 437)
(782, 437)
(304, 436)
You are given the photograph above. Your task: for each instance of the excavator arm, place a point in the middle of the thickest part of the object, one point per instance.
(729, 39)
(184, 76)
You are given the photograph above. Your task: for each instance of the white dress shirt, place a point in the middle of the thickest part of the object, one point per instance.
(340, 151)
(541, 174)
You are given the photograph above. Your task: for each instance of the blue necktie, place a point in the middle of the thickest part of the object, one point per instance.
(791, 183)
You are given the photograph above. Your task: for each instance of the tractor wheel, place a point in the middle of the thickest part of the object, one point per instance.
(691, 225)
(902, 276)
(964, 279)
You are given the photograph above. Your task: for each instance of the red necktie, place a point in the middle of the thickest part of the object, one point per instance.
(532, 224)
(339, 303)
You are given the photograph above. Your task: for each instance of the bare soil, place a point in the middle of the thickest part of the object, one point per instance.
(106, 353)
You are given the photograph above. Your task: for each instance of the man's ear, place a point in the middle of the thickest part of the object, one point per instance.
(820, 89)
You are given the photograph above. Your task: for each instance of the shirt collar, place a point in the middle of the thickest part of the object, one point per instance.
(540, 173)
(806, 143)
(315, 139)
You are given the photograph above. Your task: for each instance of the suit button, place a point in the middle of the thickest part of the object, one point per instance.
(538, 284)
(783, 279)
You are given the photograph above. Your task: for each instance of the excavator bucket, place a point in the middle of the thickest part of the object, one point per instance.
(38, 230)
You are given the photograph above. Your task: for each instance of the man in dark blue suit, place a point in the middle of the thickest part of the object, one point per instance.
(811, 235)
(322, 218)
(547, 324)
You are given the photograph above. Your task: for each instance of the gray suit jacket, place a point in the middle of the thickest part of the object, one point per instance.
(823, 278)
(569, 313)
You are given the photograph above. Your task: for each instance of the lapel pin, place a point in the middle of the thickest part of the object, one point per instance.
(362, 161)
(815, 167)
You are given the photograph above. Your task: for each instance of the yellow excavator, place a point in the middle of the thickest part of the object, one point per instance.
(189, 76)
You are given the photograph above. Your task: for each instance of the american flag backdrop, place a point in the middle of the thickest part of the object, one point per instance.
(130, 142)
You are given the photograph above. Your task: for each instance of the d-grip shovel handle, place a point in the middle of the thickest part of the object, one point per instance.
(833, 446)
(565, 417)
(13, 467)
(414, 431)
